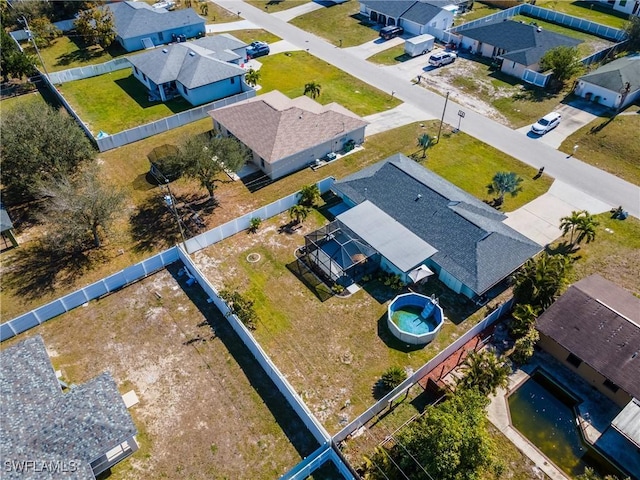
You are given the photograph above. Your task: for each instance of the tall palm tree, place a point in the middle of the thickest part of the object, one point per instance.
(540, 280)
(581, 222)
(485, 371)
(524, 317)
(252, 77)
(503, 183)
(424, 141)
(298, 213)
(570, 223)
(312, 89)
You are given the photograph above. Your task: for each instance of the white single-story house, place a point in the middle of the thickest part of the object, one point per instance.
(287, 135)
(415, 219)
(138, 26)
(201, 71)
(82, 432)
(416, 17)
(628, 7)
(519, 46)
(615, 85)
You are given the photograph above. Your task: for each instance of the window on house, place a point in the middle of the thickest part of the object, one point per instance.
(623, 3)
(514, 65)
(233, 80)
(160, 36)
(611, 386)
(135, 69)
(144, 77)
(185, 90)
(573, 360)
(262, 162)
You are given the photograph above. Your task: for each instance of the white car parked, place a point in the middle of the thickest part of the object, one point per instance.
(546, 123)
(442, 58)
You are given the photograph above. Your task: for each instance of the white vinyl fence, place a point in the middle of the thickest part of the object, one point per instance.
(89, 71)
(98, 289)
(385, 402)
(316, 460)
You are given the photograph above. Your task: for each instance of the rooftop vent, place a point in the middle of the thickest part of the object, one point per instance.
(164, 50)
(418, 197)
(192, 54)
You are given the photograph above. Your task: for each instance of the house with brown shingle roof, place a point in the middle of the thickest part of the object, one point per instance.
(286, 135)
(594, 329)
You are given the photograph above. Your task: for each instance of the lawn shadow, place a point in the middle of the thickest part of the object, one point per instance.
(362, 20)
(561, 248)
(132, 87)
(153, 226)
(40, 269)
(457, 308)
(291, 424)
(256, 181)
(144, 182)
(378, 291)
(88, 53)
(303, 273)
(391, 341)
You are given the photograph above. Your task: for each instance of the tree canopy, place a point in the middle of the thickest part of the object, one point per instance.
(312, 89)
(96, 26)
(450, 442)
(632, 29)
(540, 281)
(503, 183)
(39, 143)
(484, 371)
(563, 60)
(13, 62)
(204, 158)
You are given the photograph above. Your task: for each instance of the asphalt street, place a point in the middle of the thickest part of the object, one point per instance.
(569, 170)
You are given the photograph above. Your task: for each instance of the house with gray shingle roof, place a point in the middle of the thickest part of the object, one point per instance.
(287, 135)
(137, 25)
(46, 433)
(616, 84)
(463, 240)
(417, 17)
(201, 71)
(519, 46)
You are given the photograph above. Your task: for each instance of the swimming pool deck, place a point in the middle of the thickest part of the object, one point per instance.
(596, 412)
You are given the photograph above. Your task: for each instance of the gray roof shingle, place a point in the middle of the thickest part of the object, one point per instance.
(275, 127)
(523, 43)
(614, 75)
(599, 322)
(40, 422)
(136, 19)
(193, 64)
(417, 11)
(472, 242)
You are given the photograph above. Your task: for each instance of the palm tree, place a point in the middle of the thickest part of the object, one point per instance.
(524, 317)
(298, 213)
(309, 195)
(484, 371)
(312, 89)
(540, 281)
(570, 223)
(503, 183)
(252, 77)
(580, 222)
(424, 141)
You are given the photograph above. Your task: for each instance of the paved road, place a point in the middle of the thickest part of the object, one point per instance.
(601, 185)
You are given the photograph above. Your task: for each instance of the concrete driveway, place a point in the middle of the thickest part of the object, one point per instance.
(575, 115)
(372, 47)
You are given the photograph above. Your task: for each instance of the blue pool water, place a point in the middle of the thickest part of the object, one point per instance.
(408, 319)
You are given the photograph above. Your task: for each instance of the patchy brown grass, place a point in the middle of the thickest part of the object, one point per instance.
(206, 409)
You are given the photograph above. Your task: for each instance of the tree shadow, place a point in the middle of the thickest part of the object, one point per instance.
(561, 248)
(88, 53)
(290, 423)
(40, 269)
(378, 291)
(153, 226)
(362, 20)
(144, 182)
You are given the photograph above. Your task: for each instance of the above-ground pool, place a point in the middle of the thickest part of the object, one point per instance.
(414, 318)
(544, 413)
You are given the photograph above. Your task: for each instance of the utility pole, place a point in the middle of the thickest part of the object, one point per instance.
(442, 119)
(35, 45)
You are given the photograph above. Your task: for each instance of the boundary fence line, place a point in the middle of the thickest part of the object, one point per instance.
(88, 71)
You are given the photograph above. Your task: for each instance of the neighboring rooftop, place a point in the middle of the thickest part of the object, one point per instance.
(193, 64)
(599, 322)
(420, 12)
(471, 241)
(615, 75)
(136, 19)
(523, 43)
(275, 127)
(627, 422)
(40, 422)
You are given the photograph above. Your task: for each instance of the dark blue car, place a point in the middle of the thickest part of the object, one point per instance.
(257, 49)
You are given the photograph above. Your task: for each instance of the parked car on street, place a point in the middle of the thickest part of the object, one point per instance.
(257, 49)
(391, 31)
(442, 58)
(546, 123)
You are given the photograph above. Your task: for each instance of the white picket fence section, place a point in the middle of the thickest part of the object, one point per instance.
(88, 71)
(385, 401)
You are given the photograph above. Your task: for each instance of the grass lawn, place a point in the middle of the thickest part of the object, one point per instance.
(252, 35)
(68, 51)
(273, 6)
(215, 13)
(607, 144)
(479, 10)
(338, 22)
(116, 101)
(290, 71)
(391, 56)
(588, 10)
(206, 409)
(10, 104)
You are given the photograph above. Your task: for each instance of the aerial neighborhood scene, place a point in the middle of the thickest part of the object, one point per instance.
(320, 239)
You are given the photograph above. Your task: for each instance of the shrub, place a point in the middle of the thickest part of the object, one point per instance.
(391, 378)
(254, 224)
(524, 347)
(241, 307)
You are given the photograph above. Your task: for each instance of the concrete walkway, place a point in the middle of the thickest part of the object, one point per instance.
(539, 219)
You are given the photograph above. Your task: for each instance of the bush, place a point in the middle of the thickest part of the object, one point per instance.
(254, 224)
(337, 288)
(524, 347)
(241, 307)
(393, 377)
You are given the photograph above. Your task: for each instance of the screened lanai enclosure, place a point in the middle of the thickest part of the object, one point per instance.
(339, 255)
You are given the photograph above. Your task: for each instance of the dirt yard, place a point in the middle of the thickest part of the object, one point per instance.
(206, 409)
